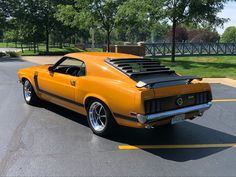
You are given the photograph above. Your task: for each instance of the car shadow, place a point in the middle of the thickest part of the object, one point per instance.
(186, 133)
(180, 134)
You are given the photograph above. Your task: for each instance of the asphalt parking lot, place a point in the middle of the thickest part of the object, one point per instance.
(51, 141)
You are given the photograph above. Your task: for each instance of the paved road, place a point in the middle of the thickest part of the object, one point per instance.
(49, 140)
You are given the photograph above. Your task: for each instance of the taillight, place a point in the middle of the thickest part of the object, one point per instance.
(152, 106)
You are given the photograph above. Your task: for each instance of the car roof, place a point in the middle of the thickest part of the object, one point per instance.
(90, 56)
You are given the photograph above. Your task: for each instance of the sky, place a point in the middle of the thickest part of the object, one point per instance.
(228, 12)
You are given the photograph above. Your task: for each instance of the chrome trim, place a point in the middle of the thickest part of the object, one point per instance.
(159, 116)
(97, 116)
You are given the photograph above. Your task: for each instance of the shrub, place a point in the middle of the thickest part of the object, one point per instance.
(181, 34)
(12, 54)
(203, 35)
(2, 54)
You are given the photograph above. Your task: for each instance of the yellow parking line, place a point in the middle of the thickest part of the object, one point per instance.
(189, 146)
(224, 100)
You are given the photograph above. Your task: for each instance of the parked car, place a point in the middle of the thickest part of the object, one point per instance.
(117, 89)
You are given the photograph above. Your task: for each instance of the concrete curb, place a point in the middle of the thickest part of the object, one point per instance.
(41, 59)
(224, 81)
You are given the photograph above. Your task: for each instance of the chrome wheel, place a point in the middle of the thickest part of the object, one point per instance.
(97, 116)
(27, 91)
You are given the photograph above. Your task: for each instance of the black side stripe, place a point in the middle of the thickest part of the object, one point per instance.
(132, 119)
(53, 95)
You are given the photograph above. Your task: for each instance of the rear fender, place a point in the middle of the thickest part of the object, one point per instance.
(96, 96)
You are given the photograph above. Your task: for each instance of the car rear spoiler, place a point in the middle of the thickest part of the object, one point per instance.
(158, 80)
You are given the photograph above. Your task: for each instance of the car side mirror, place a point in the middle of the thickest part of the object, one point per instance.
(50, 69)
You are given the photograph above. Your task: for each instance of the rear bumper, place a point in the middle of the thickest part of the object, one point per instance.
(163, 115)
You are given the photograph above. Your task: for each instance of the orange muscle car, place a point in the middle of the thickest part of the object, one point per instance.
(117, 89)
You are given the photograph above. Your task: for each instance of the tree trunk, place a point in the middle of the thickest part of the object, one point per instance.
(92, 33)
(173, 40)
(61, 44)
(108, 40)
(47, 39)
(22, 49)
(34, 47)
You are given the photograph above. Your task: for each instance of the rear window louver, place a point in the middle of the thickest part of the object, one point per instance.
(139, 66)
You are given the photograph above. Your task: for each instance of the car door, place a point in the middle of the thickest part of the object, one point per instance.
(59, 82)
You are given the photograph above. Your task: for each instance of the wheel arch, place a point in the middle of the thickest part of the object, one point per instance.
(24, 78)
(91, 97)
(32, 82)
(103, 100)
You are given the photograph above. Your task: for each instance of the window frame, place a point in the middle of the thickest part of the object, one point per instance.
(64, 59)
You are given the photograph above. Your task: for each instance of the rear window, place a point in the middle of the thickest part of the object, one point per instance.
(135, 67)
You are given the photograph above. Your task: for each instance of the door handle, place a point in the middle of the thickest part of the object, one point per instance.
(73, 82)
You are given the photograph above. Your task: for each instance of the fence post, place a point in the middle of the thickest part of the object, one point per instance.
(153, 50)
(209, 49)
(191, 48)
(234, 49)
(225, 51)
(164, 49)
(183, 48)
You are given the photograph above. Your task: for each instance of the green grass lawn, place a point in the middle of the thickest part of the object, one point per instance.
(52, 51)
(42, 48)
(9, 45)
(55, 51)
(219, 66)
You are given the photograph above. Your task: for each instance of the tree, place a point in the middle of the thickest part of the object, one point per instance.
(139, 19)
(5, 11)
(35, 19)
(91, 14)
(200, 11)
(11, 32)
(229, 34)
(30, 18)
(203, 35)
(159, 31)
(132, 23)
(181, 34)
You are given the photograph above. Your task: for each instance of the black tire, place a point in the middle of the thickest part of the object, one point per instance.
(29, 94)
(109, 123)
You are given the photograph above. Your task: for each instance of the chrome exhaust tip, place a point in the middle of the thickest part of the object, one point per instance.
(148, 126)
(200, 114)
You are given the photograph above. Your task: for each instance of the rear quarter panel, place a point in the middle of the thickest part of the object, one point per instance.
(117, 95)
